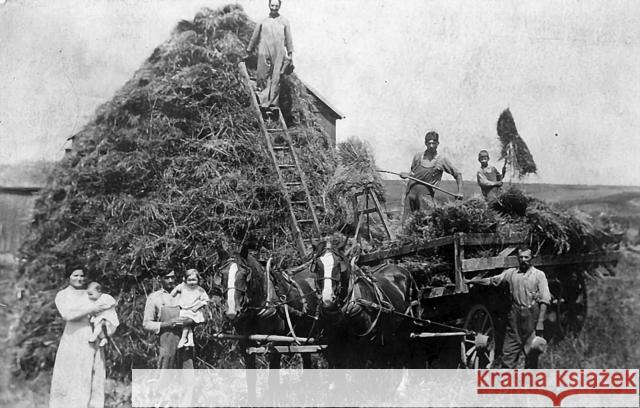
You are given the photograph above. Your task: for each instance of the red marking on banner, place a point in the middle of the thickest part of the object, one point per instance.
(556, 398)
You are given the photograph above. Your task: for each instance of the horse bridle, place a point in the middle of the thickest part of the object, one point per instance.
(339, 284)
(226, 286)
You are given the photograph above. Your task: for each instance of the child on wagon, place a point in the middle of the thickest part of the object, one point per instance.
(191, 300)
(489, 179)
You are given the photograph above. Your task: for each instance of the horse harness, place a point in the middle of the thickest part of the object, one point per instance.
(277, 301)
(382, 303)
(269, 307)
(344, 265)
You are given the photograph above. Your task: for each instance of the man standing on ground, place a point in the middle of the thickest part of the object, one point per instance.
(489, 179)
(273, 39)
(428, 166)
(162, 316)
(530, 297)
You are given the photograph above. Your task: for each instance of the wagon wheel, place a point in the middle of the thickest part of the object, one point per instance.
(480, 321)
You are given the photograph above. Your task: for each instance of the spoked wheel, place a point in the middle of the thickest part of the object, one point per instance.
(480, 321)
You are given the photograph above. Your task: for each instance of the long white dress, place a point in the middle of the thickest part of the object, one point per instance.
(79, 372)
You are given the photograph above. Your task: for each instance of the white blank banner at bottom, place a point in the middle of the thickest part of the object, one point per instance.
(364, 388)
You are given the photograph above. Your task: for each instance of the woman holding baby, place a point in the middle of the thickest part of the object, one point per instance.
(79, 371)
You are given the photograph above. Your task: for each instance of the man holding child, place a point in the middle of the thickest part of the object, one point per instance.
(162, 317)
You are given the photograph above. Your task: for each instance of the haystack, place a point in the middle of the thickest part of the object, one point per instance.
(552, 229)
(356, 171)
(169, 170)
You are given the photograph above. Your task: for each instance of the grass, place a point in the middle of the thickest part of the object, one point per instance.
(610, 336)
(15, 392)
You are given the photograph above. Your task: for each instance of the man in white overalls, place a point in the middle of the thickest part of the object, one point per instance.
(272, 38)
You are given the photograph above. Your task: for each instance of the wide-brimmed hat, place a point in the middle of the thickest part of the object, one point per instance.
(169, 274)
(536, 345)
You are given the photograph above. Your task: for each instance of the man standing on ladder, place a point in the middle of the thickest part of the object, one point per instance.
(427, 166)
(272, 37)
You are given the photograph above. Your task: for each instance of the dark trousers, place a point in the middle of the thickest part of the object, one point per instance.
(418, 198)
(169, 354)
(521, 328)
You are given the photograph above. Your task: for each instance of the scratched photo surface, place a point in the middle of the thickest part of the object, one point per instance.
(391, 71)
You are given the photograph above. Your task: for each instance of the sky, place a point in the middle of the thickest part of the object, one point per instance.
(568, 70)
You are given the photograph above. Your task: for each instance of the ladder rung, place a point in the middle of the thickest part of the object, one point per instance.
(305, 221)
(293, 184)
(367, 211)
(280, 147)
(299, 202)
(286, 166)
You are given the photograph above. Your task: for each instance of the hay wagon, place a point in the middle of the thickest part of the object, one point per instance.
(462, 326)
(477, 310)
(453, 309)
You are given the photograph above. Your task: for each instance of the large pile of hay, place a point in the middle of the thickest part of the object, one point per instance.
(173, 167)
(550, 229)
(355, 171)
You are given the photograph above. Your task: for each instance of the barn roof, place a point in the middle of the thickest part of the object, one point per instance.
(323, 100)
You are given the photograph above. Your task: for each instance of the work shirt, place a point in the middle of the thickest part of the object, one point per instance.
(430, 170)
(487, 177)
(527, 289)
(152, 309)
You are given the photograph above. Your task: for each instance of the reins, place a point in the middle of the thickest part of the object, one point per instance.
(381, 305)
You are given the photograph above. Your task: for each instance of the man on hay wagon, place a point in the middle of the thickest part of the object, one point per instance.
(530, 298)
(428, 167)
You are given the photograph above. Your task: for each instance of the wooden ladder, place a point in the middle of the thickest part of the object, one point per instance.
(304, 221)
(359, 213)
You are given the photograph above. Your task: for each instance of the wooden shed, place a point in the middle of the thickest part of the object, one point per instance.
(328, 113)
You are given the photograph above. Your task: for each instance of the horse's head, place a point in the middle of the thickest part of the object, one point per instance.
(331, 273)
(242, 281)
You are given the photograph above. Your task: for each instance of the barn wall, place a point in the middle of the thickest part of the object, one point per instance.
(327, 120)
(15, 216)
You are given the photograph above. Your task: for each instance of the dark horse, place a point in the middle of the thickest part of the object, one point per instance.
(259, 301)
(361, 311)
